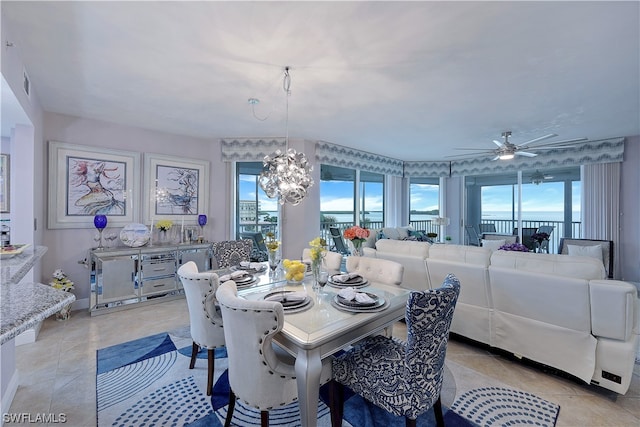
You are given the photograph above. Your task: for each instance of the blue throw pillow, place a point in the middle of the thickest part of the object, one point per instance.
(381, 235)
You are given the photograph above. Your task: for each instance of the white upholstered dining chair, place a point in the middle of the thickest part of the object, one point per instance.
(205, 319)
(376, 269)
(332, 261)
(260, 373)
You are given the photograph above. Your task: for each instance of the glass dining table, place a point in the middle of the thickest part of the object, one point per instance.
(324, 328)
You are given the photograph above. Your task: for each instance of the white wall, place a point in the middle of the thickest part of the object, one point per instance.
(68, 246)
(630, 211)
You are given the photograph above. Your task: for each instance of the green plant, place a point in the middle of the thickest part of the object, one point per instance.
(448, 238)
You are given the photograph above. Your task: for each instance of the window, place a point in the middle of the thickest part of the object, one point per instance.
(371, 200)
(338, 198)
(549, 197)
(254, 210)
(424, 203)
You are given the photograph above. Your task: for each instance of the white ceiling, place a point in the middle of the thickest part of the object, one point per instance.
(407, 80)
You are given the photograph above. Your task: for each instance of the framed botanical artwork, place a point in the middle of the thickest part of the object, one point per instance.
(4, 183)
(175, 188)
(85, 181)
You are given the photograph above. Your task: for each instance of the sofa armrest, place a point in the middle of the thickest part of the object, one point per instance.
(613, 309)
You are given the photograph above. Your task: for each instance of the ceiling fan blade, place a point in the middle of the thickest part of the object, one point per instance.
(496, 158)
(486, 150)
(559, 143)
(542, 138)
(498, 143)
(525, 154)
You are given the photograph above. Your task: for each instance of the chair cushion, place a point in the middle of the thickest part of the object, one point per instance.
(494, 245)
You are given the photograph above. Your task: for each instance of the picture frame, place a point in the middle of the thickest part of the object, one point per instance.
(85, 181)
(5, 177)
(175, 189)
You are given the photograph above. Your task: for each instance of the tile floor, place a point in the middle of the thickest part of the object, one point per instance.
(57, 372)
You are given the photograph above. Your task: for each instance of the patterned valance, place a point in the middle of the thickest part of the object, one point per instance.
(337, 155)
(602, 151)
(249, 150)
(427, 169)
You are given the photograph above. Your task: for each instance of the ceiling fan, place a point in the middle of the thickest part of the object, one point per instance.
(538, 177)
(507, 150)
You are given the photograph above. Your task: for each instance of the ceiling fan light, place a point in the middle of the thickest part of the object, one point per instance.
(506, 156)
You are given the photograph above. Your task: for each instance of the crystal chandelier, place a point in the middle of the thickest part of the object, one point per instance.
(288, 174)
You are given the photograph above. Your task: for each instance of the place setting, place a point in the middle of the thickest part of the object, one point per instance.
(352, 300)
(342, 280)
(250, 267)
(242, 278)
(292, 301)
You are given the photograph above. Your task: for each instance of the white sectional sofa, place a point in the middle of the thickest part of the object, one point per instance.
(558, 310)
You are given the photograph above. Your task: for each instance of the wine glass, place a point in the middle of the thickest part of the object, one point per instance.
(323, 277)
(273, 264)
(100, 222)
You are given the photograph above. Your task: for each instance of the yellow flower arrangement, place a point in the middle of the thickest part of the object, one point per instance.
(271, 243)
(61, 281)
(318, 249)
(164, 224)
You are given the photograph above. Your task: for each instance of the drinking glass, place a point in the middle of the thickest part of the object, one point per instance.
(323, 277)
(273, 262)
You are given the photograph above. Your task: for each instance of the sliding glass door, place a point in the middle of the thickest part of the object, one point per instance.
(522, 202)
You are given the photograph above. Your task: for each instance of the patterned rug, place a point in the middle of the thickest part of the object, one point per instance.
(147, 382)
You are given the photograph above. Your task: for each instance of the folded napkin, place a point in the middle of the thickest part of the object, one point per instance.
(351, 294)
(235, 275)
(250, 265)
(289, 296)
(346, 278)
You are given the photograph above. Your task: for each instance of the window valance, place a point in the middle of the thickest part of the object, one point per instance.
(249, 150)
(427, 169)
(337, 155)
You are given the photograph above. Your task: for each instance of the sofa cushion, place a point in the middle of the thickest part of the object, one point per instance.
(460, 253)
(576, 267)
(594, 251)
(404, 247)
(391, 233)
(494, 245)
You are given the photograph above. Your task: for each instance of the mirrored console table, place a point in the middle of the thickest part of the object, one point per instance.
(124, 277)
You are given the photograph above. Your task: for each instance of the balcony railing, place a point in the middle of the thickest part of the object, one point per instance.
(507, 226)
(502, 227)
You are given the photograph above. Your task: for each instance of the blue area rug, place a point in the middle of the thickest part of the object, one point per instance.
(147, 382)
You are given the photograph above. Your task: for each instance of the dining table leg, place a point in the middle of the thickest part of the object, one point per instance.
(308, 368)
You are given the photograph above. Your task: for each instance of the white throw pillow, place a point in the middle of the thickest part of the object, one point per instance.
(494, 245)
(590, 251)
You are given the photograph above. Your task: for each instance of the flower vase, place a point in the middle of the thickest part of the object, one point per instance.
(64, 313)
(163, 236)
(356, 248)
(315, 270)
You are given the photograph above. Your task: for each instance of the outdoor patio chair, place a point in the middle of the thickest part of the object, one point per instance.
(472, 234)
(338, 241)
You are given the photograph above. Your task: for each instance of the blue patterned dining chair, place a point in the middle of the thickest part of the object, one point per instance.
(205, 320)
(403, 378)
(231, 252)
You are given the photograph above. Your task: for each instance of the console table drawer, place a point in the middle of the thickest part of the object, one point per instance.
(155, 286)
(158, 269)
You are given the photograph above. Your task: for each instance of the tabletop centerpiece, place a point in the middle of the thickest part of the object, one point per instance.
(272, 248)
(294, 270)
(163, 226)
(539, 239)
(318, 249)
(356, 235)
(62, 282)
